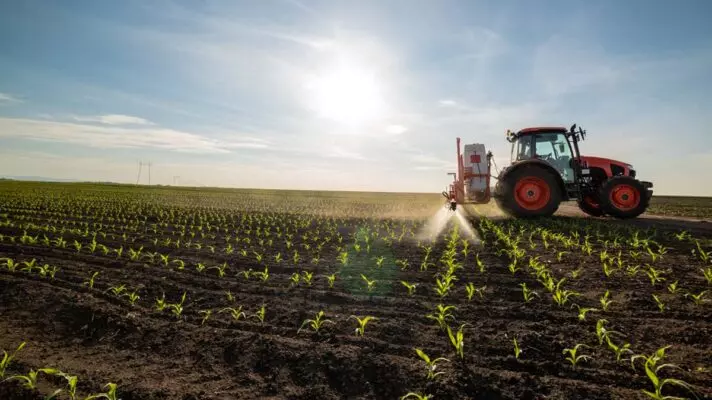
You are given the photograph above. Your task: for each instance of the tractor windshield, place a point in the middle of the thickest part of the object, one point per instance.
(552, 148)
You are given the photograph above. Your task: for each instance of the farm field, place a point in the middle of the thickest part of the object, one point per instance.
(179, 293)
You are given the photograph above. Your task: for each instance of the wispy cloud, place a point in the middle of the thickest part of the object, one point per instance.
(340, 152)
(448, 103)
(6, 98)
(396, 129)
(109, 137)
(113, 119)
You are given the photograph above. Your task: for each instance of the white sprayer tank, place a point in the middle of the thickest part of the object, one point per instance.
(475, 162)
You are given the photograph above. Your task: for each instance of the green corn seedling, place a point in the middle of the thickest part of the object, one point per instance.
(235, 312)
(246, 273)
(605, 300)
(110, 393)
(10, 264)
(658, 384)
(608, 269)
(331, 279)
(260, 314)
(707, 273)
(618, 350)
(457, 340)
(513, 267)
(517, 350)
(441, 315)
(582, 311)
(362, 322)
(705, 256)
(7, 359)
(527, 293)
(179, 263)
(29, 381)
(470, 288)
(206, 315)
(370, 284)
(230, 296)
(480, 264)
(601, 332)
(410, 287)
(430, 365)
(652, 359)
(442, 287)
(316, 323)
(654, 275)
(262, 275)
(672, 288)
(307, 277)
(295, 277)
(572, 356)
(416, 396)
(71, 384)
(161, 303)
(117, 290)
(379, 261)
(659, 303)
(575, 274)
(561, 297)
(133, 297)
(119, 251)
(177, 309)
(696, 298)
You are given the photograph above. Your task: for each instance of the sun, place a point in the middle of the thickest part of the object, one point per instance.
(347, 95)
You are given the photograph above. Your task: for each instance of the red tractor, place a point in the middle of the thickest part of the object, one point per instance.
(547, 169)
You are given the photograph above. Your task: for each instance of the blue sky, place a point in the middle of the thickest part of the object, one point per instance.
(355, 95)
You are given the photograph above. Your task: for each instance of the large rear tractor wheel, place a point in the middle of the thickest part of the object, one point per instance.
(624, 197)
(591, 206)
(529, 191)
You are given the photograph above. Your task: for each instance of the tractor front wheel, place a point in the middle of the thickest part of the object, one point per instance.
(529, 191)
(624, 197)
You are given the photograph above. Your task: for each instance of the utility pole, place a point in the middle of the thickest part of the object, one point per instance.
(141, 164)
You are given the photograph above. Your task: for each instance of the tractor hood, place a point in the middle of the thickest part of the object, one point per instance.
(609, 166)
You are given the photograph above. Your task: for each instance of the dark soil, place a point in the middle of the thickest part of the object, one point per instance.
(151, 354)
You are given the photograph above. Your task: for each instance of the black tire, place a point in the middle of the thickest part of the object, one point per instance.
(617, 192)
(507, 200)
(590, 209)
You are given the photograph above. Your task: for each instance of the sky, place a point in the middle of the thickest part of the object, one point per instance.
(347, 95)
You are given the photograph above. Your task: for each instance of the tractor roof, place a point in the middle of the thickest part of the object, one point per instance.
(527, 131)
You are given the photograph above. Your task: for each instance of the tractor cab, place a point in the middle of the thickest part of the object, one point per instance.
(548, 144)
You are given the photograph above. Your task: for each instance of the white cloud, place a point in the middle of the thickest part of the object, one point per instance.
(113, 119)
(396, 129)
(6, 98)
(448, 103)
(121, 137)
(340, 152)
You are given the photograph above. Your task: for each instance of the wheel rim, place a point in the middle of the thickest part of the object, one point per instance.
(532, 193)
(625, 197)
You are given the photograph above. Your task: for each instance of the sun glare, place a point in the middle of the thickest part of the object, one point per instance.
(348, 95)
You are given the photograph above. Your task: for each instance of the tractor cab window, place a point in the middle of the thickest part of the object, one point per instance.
(522, 149)
(554, 149)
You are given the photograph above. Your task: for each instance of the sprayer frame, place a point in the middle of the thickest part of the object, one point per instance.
(456, 191)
